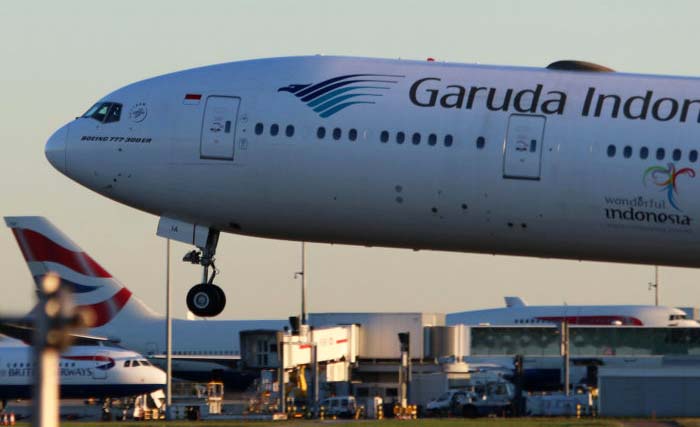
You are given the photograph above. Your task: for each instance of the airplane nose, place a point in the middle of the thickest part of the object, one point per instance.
(55, 149)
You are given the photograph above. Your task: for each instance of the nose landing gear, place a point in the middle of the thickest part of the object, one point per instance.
(205, 299)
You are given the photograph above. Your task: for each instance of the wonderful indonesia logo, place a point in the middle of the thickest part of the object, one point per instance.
(662, 211)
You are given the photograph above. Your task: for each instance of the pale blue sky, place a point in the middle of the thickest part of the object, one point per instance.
(59, 57)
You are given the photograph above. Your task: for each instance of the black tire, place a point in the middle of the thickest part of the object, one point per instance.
(221, 297)
(204, 300)
(469, 411)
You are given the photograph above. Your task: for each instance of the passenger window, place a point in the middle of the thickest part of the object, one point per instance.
(352, 134)
(114, 114)
(611, 150)
(693, 156)
(660, 153)
(321, 132)
(676, 154)
(337, 133)
(432, 139)
(480, 142)
(448, 140)
(416, 138)
(259, 128)
(384, 137)
(627, 152)
(644, 152)
(274, 129)
(289, 131)
(400, 137)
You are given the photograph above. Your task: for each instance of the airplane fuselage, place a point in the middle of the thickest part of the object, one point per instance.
(421, 155)
(84, 372)
(588, 315)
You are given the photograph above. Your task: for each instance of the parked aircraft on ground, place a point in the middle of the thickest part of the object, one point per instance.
(571, 160)
(202, 349)
(517, 312)
(87, 370)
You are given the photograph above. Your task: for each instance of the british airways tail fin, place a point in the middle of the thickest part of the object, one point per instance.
(46, 249)
(515, 302)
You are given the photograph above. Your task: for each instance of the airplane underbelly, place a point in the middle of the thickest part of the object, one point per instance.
(506, 216)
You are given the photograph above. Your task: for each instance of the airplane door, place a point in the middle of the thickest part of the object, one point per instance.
(523, 147)
(219, 127)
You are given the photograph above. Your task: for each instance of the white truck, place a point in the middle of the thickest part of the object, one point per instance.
(448, 403)
(481, 399)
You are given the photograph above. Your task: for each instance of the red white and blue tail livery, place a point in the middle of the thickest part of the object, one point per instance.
(201, 350)
(46, 249)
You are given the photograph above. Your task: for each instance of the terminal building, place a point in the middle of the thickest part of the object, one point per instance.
(359, 354)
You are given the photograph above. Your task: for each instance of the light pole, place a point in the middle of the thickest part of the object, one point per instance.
(169, 415)
(302, 273)
(655, 285)
(56, 317)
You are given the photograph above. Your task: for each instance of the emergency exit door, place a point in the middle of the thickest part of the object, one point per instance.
(523, 148)
(219, 127)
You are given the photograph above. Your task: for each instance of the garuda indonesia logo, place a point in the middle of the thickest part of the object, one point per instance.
(333, 95)
(665, 178)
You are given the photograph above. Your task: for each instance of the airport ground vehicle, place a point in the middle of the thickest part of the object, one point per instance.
(559, 404)
(481, 399)
(493, 398)
(339, 406)
(192, 401)
(447, 402)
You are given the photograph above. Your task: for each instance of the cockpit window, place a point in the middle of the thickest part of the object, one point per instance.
(101, 113)
(104, 112)
(92, 110)
(677, 317)
(115, 112)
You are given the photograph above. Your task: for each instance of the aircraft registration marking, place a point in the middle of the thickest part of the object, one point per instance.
(129, 139)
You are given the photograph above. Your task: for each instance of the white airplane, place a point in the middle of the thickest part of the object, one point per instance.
(517, 312)
(202, 350)
(87, 370)
(571, 160)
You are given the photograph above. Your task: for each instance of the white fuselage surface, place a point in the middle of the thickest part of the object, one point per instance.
(422, 155)
(85, 371)
(589, 315)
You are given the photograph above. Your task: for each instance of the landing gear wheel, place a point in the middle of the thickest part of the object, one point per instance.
(206, 300)
(221, 295)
